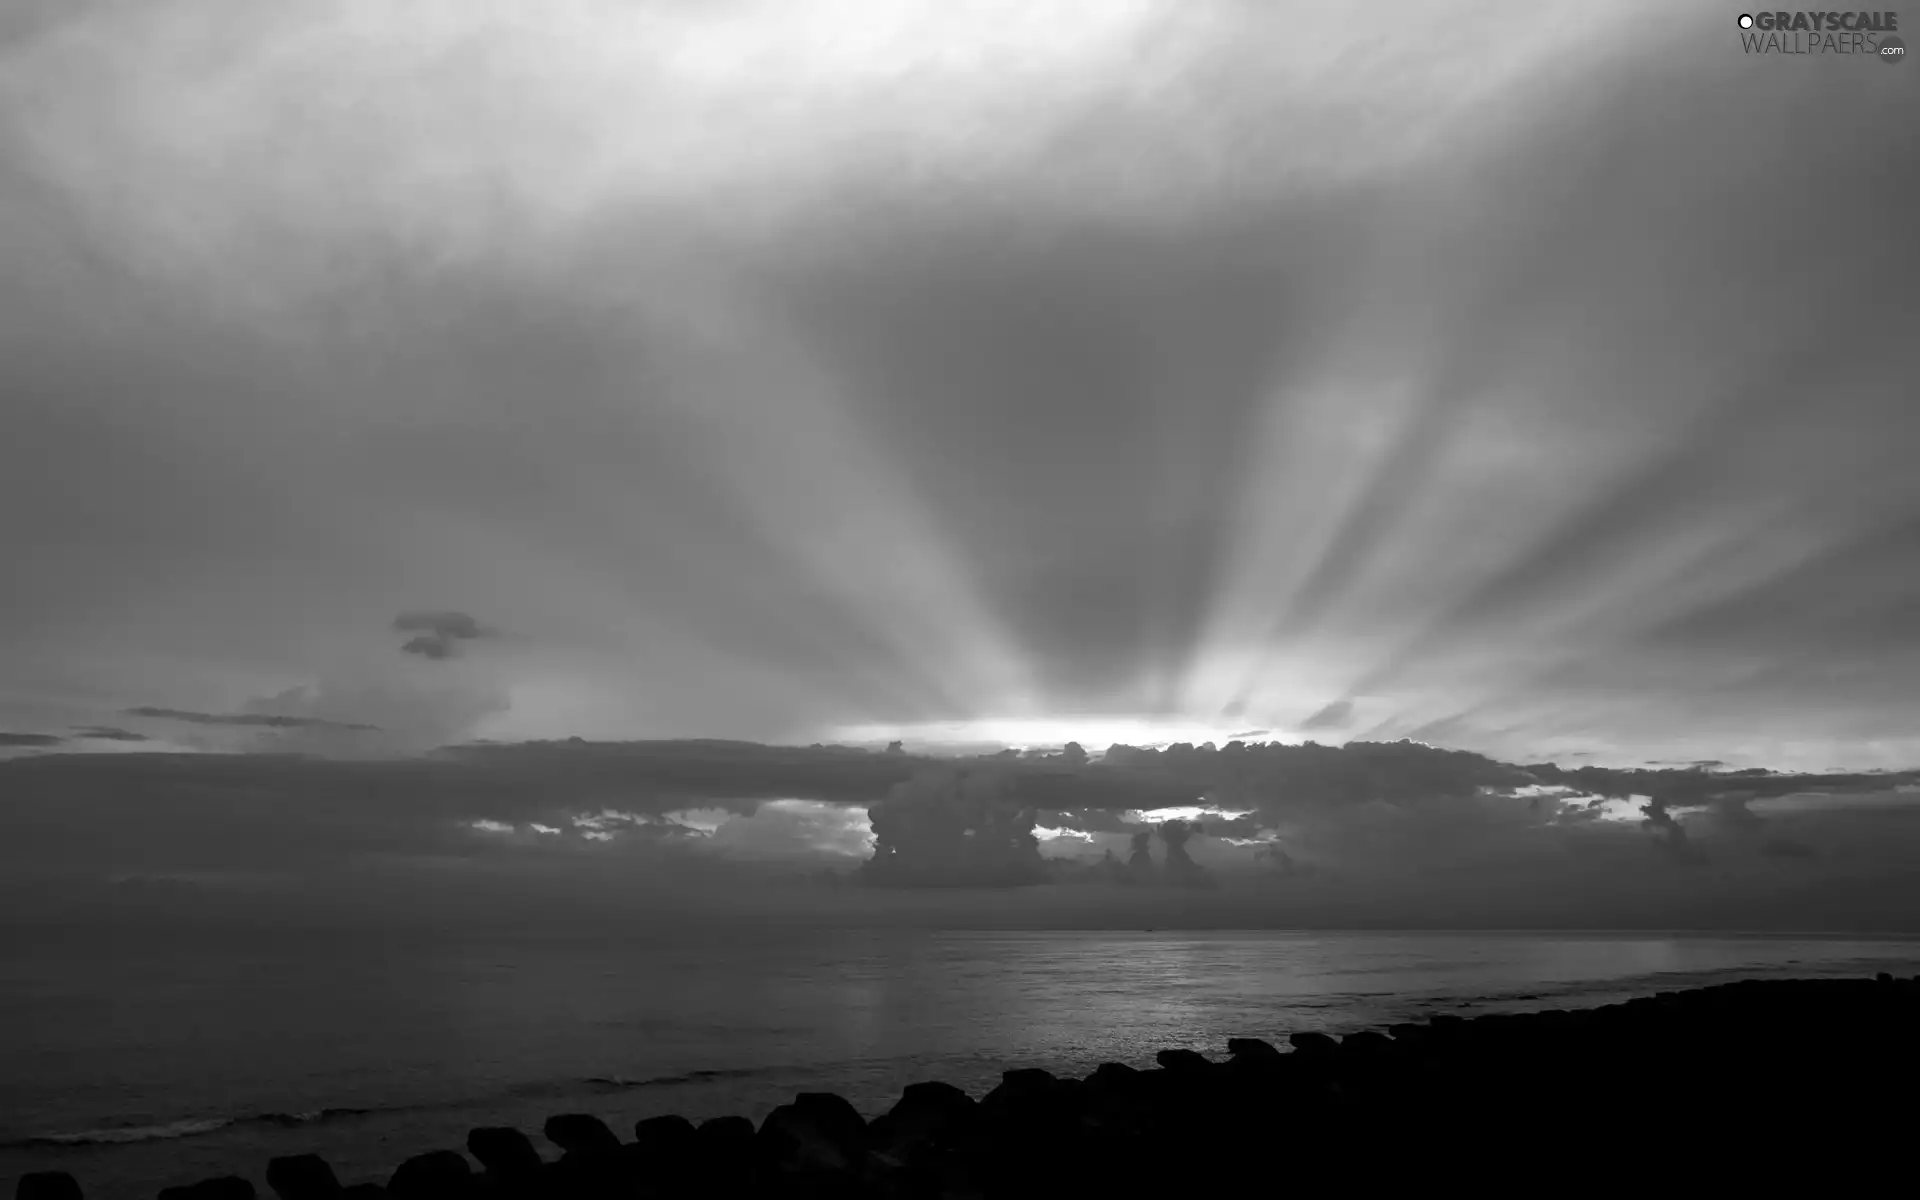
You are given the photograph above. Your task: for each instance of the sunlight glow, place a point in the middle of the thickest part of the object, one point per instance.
(1434, 519)
(1094, 733)
(1183, 812)
(836, 829)
(1615, 809)
(600, 821)
(700, 820)
(1047, 834)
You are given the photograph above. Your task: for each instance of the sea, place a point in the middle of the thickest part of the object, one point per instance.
(140, 1063)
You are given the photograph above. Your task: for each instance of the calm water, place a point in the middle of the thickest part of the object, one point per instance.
(168, 1060)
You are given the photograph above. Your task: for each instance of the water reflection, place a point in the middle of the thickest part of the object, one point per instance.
(505, 1034)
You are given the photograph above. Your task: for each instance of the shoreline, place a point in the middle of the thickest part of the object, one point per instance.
(1827, 1062)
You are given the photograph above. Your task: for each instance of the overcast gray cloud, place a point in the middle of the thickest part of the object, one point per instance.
(437, 635)
(252, 720)
(973, 374)
(108, 733)
(30, 740)
(1380, 834)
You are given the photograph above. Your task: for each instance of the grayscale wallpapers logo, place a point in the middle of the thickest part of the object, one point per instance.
(1866, 34)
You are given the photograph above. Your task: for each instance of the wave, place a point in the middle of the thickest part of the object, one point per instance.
(616, 1083)
(131, 1133)
(122, 1135)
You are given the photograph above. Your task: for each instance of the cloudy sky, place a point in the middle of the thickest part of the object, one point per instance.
(1529, 379)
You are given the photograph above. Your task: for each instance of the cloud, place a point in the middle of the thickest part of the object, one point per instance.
(483, 828)
(30, 739)
(1788, 848)
(1396, 836)
(369, 705)
(1180, 868)
(787, 369)
(439, 633)
(956, 827)
(1140, 868)
(376, 714)
(1673, 833)
(251, 720)
(108, 733)
(789, 830)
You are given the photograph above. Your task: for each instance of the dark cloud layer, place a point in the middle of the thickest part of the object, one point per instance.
(108, 733)
(247, 720)
(438, 634)
(1390, 834)
(954, 828)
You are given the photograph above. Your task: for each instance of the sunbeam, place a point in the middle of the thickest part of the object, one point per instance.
(1142, 372)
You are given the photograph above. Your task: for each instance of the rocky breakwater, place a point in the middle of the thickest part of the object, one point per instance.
(1787, 1083)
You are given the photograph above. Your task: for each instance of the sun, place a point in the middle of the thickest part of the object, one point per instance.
(1095, 733)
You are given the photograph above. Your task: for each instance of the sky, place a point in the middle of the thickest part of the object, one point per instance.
(1526, 379)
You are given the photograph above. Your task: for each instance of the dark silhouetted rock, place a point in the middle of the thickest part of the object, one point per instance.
(1033, 1106)
(302, 1177)
(47, 1185)
(1312, 1043)
(1021, 1087)
(926, 1143)
(818, 1132)
(504, 1152)
(663, 1153)
(671, 1134)
(724, 1156)
(932, 1102)
(1183, 1060)
(432, 1175)
(1366, 1042)
(579, 1133)
(724, 1135)
(1251, 1048)
(926, 1115)
(593, 1164)
(935, 1094)
(832, 1112)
